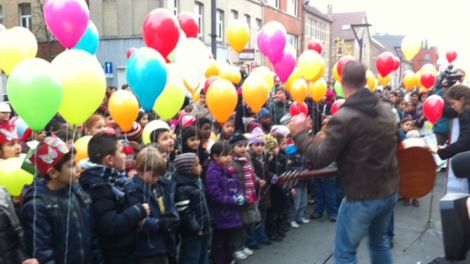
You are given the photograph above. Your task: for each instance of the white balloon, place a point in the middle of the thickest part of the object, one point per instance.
(192, 60)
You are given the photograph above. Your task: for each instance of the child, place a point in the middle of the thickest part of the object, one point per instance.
(406, 125)
(56, 212)
(227, 130)
(163, 138)
(142, 119)
(190, 140)
(116, 219)
(156, 239)
(9, 145)
(5, 112)
(96, 124)
(192, 207)
(205, 130)
(225, 196)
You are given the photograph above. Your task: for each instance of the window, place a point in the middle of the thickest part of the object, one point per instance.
(1, 14)
(25, 15)
(427, 58)
(234, 14)
(220, 25)
(174, 6)
(248, 21)
(292, 7)
(259, 25)
(273, 3)
(340, 51)
(292, 40)
(199, 11)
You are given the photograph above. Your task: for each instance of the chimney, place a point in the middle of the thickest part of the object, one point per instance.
(329, 10)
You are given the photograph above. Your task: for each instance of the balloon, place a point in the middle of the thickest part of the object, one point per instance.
(295, 75)
(433, 107)
(172, 56)
(428, 79)
(410, 47)
(255, 92)
(124, 109)
(451, 56)
(230, 73)
(385, 63)
(336, 106)
(16, 45)
(12, 177)
(315, 45)
(170, 101)
(130, 51)
(410, 81)
(318, 90)
(311, 65)
(192, 61)
(272, 40)
(209, 82)
(397, 63)
(188, 24)
(428, 67)
(296, 109)
(152, 126)
(81, 147)
(299, 90)
(238, 35)
(285, 66)
(147, 75)
(90, 41)
(336, 73)
(67, 20)
(339, 90)
(264, 73)
(84, 85)
(161, 31)
(30, 81)
(21, 126)
(371, 81)
(213, 69)
(221, 100)
(343, 61)
(385, 80)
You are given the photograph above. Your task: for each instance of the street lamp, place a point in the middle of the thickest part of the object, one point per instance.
(360, 41)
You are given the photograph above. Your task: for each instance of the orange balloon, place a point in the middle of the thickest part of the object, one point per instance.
(213, 69)
(255, 92)
(299, 90)
(318, 90)
(124, 109)
(221, 100)
(81, 147)
(385, 80)
(295, 75)
(371, 81)
(264, 73)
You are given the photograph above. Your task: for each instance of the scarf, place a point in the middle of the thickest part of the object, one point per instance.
(248, 179)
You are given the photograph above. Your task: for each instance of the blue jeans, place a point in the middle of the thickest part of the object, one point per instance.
(257, 234)
(357, 219)
(300, 203)
(325, 196)
(195, 250)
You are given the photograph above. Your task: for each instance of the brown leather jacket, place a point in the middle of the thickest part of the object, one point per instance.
(362, 138)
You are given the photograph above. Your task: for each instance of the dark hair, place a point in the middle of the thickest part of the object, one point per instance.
(220, 148)
(202, 121)
(406, 119)
(156, 133)
(125, 86)
(67, 156)
(458, 92)
(100, 146)
(414, 93)
(394, 93)
(354, 75)
(141, 115)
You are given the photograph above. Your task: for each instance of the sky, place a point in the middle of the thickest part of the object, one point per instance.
(445, 24)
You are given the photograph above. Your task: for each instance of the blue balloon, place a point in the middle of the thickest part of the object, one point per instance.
(90, 41)
(147, 76)
(21, 127)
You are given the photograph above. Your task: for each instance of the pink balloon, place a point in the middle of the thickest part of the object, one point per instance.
(285, 66)
(336, 106)
(272, 39)
(433, 107)
(130, 51)
(67, 20)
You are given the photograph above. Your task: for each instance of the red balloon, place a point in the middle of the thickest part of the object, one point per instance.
(188, 24)
(451, 56)
(433, 107)
(385, 63)
(428, 80)
(343, 61)
(130, 51)
(161, 31)
(336, 106)
(397, 63)
(208, 83)
(296, 109)
(315, 45)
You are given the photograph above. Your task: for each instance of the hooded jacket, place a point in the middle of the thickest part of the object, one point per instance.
(463, 142)
(362, 138)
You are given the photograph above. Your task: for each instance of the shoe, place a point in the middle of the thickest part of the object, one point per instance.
(332, 218)
(248, 252)
(267, 242)
(304, 220)
(311, 201)
(316, 215)
(415, 202)
(239, 255)
(406, 201)
(294, 224)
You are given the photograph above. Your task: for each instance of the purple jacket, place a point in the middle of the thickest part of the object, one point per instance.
(221, 187)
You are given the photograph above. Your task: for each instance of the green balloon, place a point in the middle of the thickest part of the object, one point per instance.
(339, 90)
(35, 92)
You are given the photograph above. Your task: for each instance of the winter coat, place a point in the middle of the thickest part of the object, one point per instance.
(151, 239)
(261, 168)
(278, 110)
(115, 218)
(463, 142)
(11, 233)
(249, 212)
(49, 235)
(222, 186)
(191, 206)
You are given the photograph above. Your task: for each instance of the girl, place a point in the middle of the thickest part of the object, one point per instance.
(227, 130)
(9, 142)
(142, 119)
(96, 124)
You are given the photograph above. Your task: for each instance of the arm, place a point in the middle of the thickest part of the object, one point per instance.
(184, 202)
(463, 142)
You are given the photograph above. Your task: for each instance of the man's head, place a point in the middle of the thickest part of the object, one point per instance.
(106, 150)
(280, 95)
(354, 77)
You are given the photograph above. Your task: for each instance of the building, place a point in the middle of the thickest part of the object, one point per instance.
(425, 55)
(318, 26)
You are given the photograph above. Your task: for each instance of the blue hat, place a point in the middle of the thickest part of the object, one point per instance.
(264, 112)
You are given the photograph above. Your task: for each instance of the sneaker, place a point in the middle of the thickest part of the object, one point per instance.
(239, 255)
(294, 224)
(248, 252)
(304, 220)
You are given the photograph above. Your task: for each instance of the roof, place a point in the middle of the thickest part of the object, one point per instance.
(389, 41)
(378, 44)
(342, 19)
(314, 11)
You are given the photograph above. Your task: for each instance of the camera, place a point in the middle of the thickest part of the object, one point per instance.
(449, 77)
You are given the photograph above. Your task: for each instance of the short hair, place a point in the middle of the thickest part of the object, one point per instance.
(58, 167)
(458, 92)
(93, 120)
(202, 121)
(220, 148)
(156, 133)
(150, 159)
(124, 86)
(100, 146)
(354, 75)
(394, 93)
(406, 119)
(141, 115)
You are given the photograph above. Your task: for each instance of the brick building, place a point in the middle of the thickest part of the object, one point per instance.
(425, 55)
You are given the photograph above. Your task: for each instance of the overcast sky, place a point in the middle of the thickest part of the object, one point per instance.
(445, 24)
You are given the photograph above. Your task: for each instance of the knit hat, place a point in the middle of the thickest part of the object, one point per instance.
(257, 136)
(7, 132)
(238, 138)
(271, 142)
(184, 163)
(280, 130)
(5, 108)
(264, 112)
(49, 154)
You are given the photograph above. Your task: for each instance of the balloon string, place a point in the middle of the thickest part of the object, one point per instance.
(35, 177)
(67, 234)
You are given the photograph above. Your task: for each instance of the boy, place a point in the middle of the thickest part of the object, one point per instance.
(56, 212)
(116, 219)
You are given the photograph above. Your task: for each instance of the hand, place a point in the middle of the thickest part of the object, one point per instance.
(274, 179)
(30, 261)
(147, 208)
(293, 192)
(200, 233)
(297, 124)
(240, 199)
(168, 223)
(262, 183)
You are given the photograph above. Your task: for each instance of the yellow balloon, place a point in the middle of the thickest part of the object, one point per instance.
(81, 146)
(410, 81)
(16, 45)
(222, 99)
(12, 177)
(238, 35)
(318, 90)
(385, 80)
(371, 81)
(265, 73)
(428, 67)
(152, 126)
(336, 73)
(418, 79)
(295, 75)
(230, 73)
(213, 69)
(170, 101)
(299, 90)
(423, 89)
(311, 65)
(410, 47)
(84, 84)
(255, 92)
